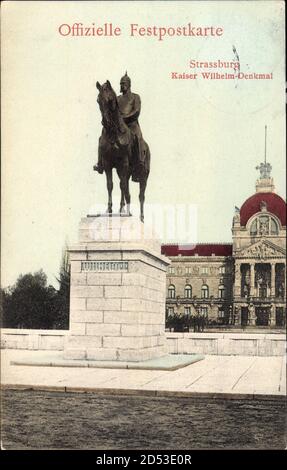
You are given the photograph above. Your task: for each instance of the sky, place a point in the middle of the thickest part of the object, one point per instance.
(206, 136)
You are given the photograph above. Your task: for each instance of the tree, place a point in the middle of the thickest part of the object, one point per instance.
(63, 296)
(5, 296)
(30, 303)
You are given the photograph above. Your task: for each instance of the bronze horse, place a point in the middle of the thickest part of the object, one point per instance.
(118, 147)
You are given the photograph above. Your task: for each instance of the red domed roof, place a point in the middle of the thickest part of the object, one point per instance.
(275, 205)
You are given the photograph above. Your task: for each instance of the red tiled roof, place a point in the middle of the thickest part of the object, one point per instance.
(201, 249)
(275, 204)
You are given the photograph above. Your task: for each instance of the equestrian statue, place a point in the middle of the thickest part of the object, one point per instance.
(121, 145)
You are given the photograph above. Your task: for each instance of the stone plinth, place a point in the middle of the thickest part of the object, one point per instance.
(118, 284)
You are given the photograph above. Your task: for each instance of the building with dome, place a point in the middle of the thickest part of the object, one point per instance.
(239, 283)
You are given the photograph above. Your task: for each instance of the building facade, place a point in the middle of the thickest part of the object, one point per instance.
(239, 283)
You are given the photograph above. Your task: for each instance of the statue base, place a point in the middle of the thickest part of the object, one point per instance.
(118, 291)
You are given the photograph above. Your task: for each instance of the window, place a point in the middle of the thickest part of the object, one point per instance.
(220, 313)
(221, 291)
(280, 317)
(273, 227)
(188, 291)
(253, 228)
(204, 270)
(264, 225)
(222, 270)
(203, 311)
(262, 292)
(171, 270)
(171, 292)
(187, 310)
(204, 292)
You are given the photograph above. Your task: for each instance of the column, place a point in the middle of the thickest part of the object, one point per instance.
(237, 318)
(272, 315)
(237, 280)
(252, 316)
(252, 279)
(272, 292)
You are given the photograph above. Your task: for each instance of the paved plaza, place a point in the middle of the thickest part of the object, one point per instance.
(214, 376)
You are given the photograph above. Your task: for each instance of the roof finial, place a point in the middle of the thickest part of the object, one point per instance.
(265, 168)
(265, 181)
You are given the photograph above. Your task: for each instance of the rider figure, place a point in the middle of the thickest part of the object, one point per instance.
(130, 107)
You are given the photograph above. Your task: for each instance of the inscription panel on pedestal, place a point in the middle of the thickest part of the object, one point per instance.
(107, 266)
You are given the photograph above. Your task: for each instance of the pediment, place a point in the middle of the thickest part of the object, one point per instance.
(263, 250)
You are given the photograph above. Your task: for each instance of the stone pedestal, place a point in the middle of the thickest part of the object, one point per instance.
(118, 290)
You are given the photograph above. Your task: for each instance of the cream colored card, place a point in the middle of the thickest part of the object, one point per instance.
(210, 75)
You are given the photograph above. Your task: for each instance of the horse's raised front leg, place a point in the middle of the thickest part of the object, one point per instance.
(109, 175)
(142, 197)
